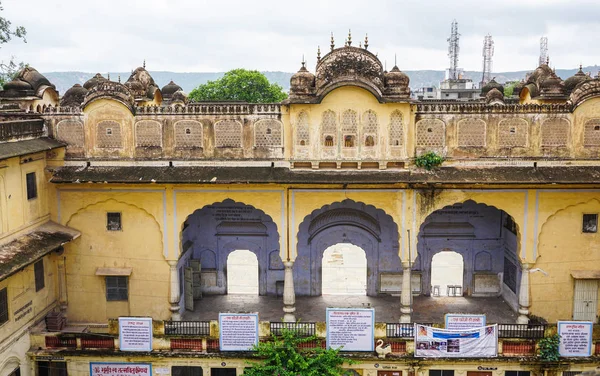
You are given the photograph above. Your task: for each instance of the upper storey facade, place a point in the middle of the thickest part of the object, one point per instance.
(350, 113)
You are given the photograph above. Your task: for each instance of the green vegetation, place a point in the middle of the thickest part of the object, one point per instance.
(429, 160)
(287, 355)
(7, 33)
(509, 88)
(548, 348)
(239, 85)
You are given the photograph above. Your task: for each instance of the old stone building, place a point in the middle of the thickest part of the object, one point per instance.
(310, 203)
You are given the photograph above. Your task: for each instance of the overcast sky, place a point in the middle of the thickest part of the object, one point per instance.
(211, 36)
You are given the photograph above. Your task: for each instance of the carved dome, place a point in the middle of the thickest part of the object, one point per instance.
(491, 85)
(541, 73)
(179, 97)
(396, 82)
(302, 82)
(169, 89)
(576, 79)
(552, 86)
(494, 96)
(74, 96)
(349, 66)
(110, 90)
(94, 81)
(28, 82)
(141, 84)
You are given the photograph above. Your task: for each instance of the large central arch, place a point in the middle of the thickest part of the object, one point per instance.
(346, 222)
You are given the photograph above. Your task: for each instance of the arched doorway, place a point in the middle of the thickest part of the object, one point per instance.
(348, 222)
(485, 237)
(344, 270)
(242, 272)
(447, 274)
(211, 234)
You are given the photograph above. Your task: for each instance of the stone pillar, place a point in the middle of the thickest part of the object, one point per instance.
(289, 295)
(174, 295)
(524, 295)
(406, 297)
(62, 284)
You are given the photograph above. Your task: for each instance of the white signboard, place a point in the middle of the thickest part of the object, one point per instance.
(351, 328)
(455, 321)
(443, 343)
(120, 369)
(135, 333)
(238, 331)
(575, 338)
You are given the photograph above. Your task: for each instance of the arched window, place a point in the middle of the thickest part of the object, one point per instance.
(328, 141)
(370, 128)
(396, 135)
(267, 133)
(369, 141)
(329, 128)
(349, 128)
(302, 129)
(349, 141)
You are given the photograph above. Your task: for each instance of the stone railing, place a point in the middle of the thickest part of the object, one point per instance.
(213, 109)
(482, 108)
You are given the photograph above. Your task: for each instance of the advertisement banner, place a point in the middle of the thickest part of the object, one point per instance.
(238, 331)
(120, 369)
(468, 343)
(575, 338)
(135, 333)
(457, 321)
(352, 329)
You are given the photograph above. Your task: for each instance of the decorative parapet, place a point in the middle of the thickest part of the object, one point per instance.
(213, 109)
(482, 108)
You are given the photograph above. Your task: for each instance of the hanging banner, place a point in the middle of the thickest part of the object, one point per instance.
(120, 369)
(352, 329)
(457, 321)
(575, 338)
(135, 333)
(238, 331)
(468, 343)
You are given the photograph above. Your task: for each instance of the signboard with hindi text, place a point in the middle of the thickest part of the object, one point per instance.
(575, 338)
(135, 333)
(467, 343)
(238, 331)
(120, 369)
(457, 321)
(352, 329)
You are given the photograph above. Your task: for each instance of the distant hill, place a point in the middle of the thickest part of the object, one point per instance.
(188, 81)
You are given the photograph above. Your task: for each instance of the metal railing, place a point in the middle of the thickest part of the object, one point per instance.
(187, 328)
(525, 331)
(399, 330)
(303, 329)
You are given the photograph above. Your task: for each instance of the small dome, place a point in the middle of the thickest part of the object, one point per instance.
(491, 85)
(575, 80)
(541, 73)
(396, 82)
(494, 96)
(179, 97)
(151, 91)
(17, 84)
(169, 89)
(74, 96)
(302, 82)
(92, 82)
(134, 85)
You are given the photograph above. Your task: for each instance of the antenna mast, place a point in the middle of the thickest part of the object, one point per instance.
(488, 53)
(544, 58)
(453, 49)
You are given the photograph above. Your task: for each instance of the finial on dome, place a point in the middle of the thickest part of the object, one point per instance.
(318, 53)
(108, 75)
(144, 65)
(366, 42)
(119, 78)
(395, 60)
(332, 42)
(548, 60)
(349, 38)
(303, 61)
(359, 44)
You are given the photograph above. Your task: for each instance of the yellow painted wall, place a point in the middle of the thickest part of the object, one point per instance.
(106, 109)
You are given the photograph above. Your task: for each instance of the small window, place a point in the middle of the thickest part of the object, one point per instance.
(441, 372)
(597, 128)
(329, 141)
(302, 143)
(429, 130)
(590, 223)
(513, 130)
(188, 131)
(397, 143)
(518, 373)
(31, 186)
(568, 373)
(3, 306)
(38, 271)
(116, 288)
(268, 130)
(51, 368)
(109, 131)
(369, 141)
(349, 141)
(113, 222)
(186, 371)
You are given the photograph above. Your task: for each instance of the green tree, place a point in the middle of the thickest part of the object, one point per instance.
(284, 357)
(509, 88)
(7, 33)
(239, 85)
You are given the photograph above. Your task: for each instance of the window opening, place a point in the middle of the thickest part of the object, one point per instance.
(3, 305)
(38, 271)
(590, 223)
(447, 274)
(597, 127)
(242, 272)
(369, 141)
(429, 130)
(188, 131)
(513, 130)
(51, 368)
(302, 142)
(349, 141)
(113, 222)
(441, 372)
(116, 288)
(31, 183)
(186, 371)
(328, 141)
(344, 269)
(108, 131)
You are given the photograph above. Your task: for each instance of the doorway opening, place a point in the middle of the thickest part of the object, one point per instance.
(344, 270)
(242, 273)
(447, 274)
